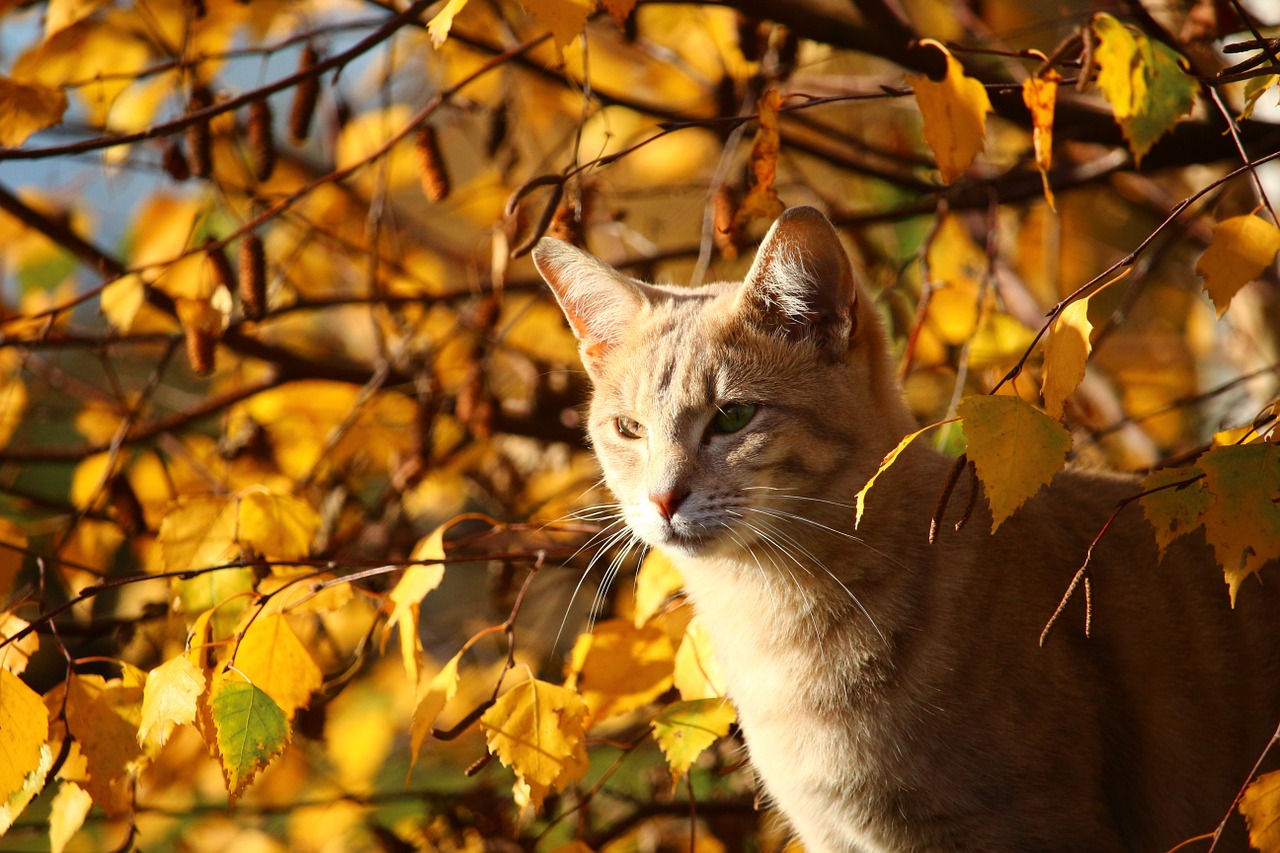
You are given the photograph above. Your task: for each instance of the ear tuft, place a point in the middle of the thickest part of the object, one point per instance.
(598, 301)
(801, 283)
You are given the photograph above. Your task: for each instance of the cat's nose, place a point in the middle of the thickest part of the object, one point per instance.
(668, 502)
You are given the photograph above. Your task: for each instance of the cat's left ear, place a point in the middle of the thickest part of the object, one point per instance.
(801, 282)
(598, 301)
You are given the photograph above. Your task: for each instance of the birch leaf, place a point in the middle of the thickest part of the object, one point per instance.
(1174, 511)
(1016, 449)
(955, 116)
(251, 730)
(438, 27)
(67, 812)
(442, 688)
(26, 108)
(169, 699)
(657, 580)
(618, 667)
(1260, 806)
(684, 729)
(24, 727)
(1040, 94)
(1243, 523)
(534, 728)
(1241, 248)
(1143, 81)
(1065, 354)
(273, 658)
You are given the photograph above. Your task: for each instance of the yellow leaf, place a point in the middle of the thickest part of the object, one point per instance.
(1016, 449)
(1143, 81)
(13, 405)
(103, 717)
(277, 527)
(955, 116)
(762, 200)
(1065, 354)
(169, 700)
(565, 18)
(697, 672)
(406, 597)
(274, 660)
(14, 656)
(66, 814)
(26, 108)
(684, 729)
(1174, 511)
(1260, 806)
(1243, 523)
(1040, 94)
(1241, 248)
(24, 727)
(656, 582)
(620, 10)
(440, 690)
(889, 459)
(534, 728)
(63, 13)
(1253, 90)
(298, 589)
(618, 667)
(438, 27)
(32, 784)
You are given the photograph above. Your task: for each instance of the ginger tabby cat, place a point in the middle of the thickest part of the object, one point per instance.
(892, 693)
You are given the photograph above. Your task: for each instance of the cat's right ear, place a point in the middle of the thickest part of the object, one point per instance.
(598, 301)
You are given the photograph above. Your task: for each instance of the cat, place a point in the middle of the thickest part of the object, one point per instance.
(892, 693)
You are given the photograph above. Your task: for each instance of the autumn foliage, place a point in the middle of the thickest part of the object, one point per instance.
(300, 546)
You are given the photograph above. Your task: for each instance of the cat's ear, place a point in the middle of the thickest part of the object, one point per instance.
(598, 300)
(801, 282)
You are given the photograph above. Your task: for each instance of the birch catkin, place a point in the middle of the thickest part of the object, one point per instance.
(435, 180)
(261, 142)
(304, 97)
(253, 276)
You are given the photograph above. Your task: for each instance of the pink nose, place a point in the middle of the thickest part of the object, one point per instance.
(668, 502)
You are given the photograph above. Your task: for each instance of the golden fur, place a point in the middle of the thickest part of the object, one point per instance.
(893, 693)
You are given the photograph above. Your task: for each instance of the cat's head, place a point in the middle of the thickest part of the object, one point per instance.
(719, 411)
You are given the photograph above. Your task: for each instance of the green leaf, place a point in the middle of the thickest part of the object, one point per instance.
(685, 729)
(1243, 524)
(1016, 448)
(252, 730)
(1143, 81)
(1176, 510)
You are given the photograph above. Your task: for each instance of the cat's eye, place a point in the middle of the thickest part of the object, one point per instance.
(733, 417)
(629, 427)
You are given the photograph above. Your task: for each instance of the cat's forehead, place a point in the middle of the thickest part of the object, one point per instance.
(689, 350)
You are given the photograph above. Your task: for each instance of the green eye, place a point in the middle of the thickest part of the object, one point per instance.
(629, 427)
(733, 417)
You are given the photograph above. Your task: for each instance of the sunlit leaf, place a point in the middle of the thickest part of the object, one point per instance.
(1143, 81)
(67, 812)
(1241, 248)
(685, 729)
(697, 672)
(442, 687)
(438, 27)
(618, 667)
(169, 700)
(565, 18)
(15, 655)
(1243, 523)
(1254, 89)
(1260, 806)
(1176, 510)
(1015, 448)
(13, 405)
(13, 543)
(860, 502)
(955, 115)
(24, 726)
(26, 108)
(406, 597)
(278, 527)
(1065, 353)
(534, 728)
(656, 581)
(1040, 94)
(251, 729)
(32, 784)
(273, 658)
(103, 717)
